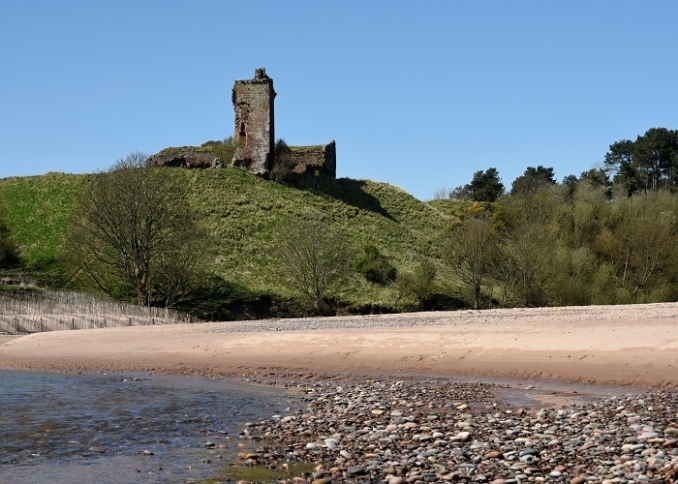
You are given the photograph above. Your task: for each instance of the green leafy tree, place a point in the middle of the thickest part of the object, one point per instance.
(470, 249)
(589, 211)
(647, 164)
(134, 235)
(486, 186)
(638, 245)
(570, 183)
(593, 178)
(313, 260)
(656, 154)
(532, 180)
(530, 225)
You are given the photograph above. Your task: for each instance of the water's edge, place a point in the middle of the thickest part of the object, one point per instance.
(123, 429)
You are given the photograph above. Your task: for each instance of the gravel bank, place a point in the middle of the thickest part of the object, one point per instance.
(395, 432)
(467, 317)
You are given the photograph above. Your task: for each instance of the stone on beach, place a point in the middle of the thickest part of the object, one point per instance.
(402, 444)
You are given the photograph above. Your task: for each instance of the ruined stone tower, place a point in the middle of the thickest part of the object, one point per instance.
(255, 139)
(254, 125)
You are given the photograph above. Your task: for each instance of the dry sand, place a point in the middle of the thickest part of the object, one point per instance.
(621, 345)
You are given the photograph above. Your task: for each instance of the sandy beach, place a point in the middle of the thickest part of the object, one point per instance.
(381, 399)
(620, 345)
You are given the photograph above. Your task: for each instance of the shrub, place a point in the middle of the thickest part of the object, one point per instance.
(283, 162)
(224, 150)
(8, 252)
(375, 266)
(417, 286)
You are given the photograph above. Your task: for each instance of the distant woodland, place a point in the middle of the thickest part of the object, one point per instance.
(607, 236)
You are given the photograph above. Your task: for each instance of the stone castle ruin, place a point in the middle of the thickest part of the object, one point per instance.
(254, 135)
(254, 123)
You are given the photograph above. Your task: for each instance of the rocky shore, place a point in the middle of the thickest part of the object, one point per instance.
(398, 432)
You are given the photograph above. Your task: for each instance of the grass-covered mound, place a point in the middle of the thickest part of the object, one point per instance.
(242, 214)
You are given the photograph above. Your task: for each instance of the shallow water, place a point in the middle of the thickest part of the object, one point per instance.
(76, 428)
(140, 428)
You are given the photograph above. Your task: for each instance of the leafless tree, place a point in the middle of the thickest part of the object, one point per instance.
(134, 234)
(312, 259)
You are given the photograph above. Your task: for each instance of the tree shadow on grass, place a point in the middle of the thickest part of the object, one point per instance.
(347, 190)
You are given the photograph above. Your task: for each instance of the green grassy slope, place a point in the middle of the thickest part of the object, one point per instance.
(242, 213)
(37, 209)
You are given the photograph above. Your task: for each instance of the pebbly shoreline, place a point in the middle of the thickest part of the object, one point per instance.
(563, 315)
(399, 432)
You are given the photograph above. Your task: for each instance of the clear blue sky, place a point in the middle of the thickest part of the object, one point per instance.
(417, 94)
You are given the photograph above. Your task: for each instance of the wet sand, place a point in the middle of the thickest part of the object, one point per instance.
(613, 345)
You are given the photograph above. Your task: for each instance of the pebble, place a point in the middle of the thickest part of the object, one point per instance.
(345, 454)
(416, 433)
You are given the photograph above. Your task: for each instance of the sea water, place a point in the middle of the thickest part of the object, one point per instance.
(123, 428)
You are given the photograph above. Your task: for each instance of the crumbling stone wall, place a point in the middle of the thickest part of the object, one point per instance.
(254, 124)
(254, 139)
(186, 157)
(315, 160)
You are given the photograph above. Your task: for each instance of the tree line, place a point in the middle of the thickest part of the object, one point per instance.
(650, 163)
(551, 247)
(605, 237)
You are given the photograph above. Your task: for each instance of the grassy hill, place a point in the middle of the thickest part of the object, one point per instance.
(242, 213)
(37, 209)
